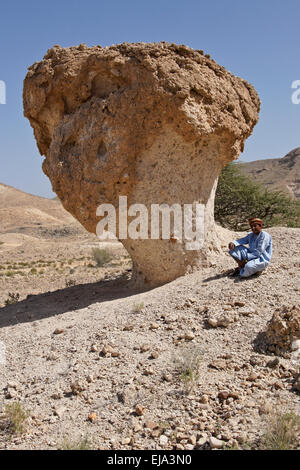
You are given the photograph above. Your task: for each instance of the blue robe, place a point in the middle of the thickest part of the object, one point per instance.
(258, 254)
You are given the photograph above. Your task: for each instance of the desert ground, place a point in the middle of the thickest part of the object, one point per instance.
(94, 363)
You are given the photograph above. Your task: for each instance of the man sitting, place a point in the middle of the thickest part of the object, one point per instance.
(255, 258)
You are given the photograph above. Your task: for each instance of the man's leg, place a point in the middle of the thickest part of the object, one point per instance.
(253, 266)
(239, 253)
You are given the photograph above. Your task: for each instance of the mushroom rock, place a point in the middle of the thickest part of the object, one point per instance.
(153, 122)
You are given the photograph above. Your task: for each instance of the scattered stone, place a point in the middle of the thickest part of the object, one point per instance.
(219, 364)
(77, 387)
(167, 377)
(58, 331)
(151, 425)
(216, 443)
(273, 363)
(223, 394)
(92, 417)
(189, 336)
(140, 410)
(204, 399)
(154, 355)
(202, 441)
(59, 411)
(282, 330)
(126, 441)
(163, 440)
(212, 322)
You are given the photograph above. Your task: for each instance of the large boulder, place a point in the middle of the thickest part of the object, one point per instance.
(153, 122)
(283, 330)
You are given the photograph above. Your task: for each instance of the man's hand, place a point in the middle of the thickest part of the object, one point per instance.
(231, 246)
(242, 263)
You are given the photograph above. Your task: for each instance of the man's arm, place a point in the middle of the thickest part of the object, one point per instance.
(241, 241)
(263, 242)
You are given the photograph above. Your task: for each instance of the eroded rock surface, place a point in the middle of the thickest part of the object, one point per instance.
(283, 330)
(153, 122)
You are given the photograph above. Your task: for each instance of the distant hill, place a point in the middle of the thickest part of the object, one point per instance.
(25, 213)
(277, 173)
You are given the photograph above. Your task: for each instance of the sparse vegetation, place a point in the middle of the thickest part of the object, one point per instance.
(283, 432)
(16, 417)
(80, 444)
(13, 297)
(187, 363)
(238, 198)
(70, 282)
(137, 307)
(101, 256)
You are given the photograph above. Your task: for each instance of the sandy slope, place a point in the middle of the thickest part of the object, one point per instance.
(277, 173)
(26, 213)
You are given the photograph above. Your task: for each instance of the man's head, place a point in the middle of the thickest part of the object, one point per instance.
(256, 225)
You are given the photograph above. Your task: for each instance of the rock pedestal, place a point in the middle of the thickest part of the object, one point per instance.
(153, 122)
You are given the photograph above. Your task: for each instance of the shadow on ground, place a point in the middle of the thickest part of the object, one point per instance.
(37, 307)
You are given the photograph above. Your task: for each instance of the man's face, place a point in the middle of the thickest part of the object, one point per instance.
(256, 228)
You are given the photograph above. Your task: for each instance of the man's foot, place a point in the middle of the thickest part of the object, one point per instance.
(235, 273)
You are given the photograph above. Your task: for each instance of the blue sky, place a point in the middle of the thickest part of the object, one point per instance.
(257, 40)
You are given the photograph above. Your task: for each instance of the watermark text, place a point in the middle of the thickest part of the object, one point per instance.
(296, 94)
(2, 92)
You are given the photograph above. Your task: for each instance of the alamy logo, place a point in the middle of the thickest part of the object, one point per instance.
(2, 353)
(2, 92)
(296, 94)
(176, 222)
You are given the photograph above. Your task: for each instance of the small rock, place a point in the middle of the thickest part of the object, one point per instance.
(295, 345)
(223, 394)
(154, 355)
(140, 410)
(77, 387)
(125, 441)
(204, 399)
(215, 443)
(238, 303)
(202, 441)
(58, 331)
(273, 363)
(92, 417)
(212, 322)
(224, 321)
(167, 377)
(163, 440)
(151, 425)
(59, 411)
(189, 336)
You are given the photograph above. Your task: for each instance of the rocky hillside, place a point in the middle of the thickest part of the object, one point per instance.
(277, 173)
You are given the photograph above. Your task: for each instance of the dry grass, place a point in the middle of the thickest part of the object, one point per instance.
(283, 432)
(187, 363)
(80, 444)
(16, 417)
(101, 256)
